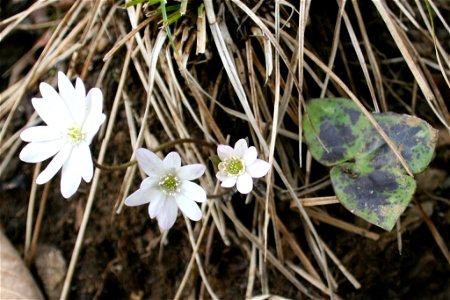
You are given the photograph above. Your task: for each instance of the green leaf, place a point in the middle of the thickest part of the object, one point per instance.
(378, 196)
(367, 177)
(334, 130)
(414, 137)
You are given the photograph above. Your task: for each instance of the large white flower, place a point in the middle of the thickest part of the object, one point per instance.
(239, 165)
(72, 120)
(168, 188)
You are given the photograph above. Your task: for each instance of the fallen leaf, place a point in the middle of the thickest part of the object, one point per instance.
(16, 281)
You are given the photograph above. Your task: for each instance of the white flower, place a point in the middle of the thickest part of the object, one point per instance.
(168, 188)
(239, 165)
(72, 120)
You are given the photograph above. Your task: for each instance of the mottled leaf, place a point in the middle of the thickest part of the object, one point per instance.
(378, 196)
(334, 130)
(414, 137)
(368, 178)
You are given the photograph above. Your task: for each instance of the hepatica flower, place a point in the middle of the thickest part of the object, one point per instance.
(168, 188)
(72, 120)
(239, 165)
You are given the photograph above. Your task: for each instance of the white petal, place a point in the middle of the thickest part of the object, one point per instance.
(168, 214)
(70, 175)
(93, 128)
(172, 161)
(149, 161)
(68, 94)
(240, 147)
(55, 164)
(193, 191)
(149, 182)
(40, 151)
(222, 175)
(156, 204)
(227, 181)
(191, 172)
(224, 152)
(94, 101)
(244, 183)
(93, 116)
(66, 89)
(85, 161)
(80, 90)
(80, 98)
(40, 134)
(250, 155)
(141, 196)
(258, 169)
(189, 208)
(51, 108)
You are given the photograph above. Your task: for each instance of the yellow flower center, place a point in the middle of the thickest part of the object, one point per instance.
(169, 184)
(234, 166)
(75, 134)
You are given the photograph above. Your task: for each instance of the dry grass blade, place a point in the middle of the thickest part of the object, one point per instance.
(361, 60)
(17, 18)
(270, 257)
(95, 180)
(436, 235)
(30, 212)
(343, 225)
(406, 50)
(231, 69)
(371, 56)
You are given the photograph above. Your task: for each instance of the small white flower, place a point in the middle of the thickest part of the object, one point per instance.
(72, 120)
(168, 188)
(239, 165)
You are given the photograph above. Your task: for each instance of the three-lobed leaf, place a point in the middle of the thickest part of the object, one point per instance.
(367, 177)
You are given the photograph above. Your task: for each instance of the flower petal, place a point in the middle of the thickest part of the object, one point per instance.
(49, 104)
(80, 99)
(224, 152)
(172, 161)
(149, 182)
(93, 116)
(250, 155)
(191, 172)
(70, 175)
(40, 134)
(227, 181)
(39, 151)
(240, 148)
(168, 214)
(141, 196)
(149, 161)
(80, 90)
(68, 95)
(85, 161)
(55, 164)
(66, 89)
(193, 191)
(258, 169)
(189, 208)
(244, 183)
(156, 204)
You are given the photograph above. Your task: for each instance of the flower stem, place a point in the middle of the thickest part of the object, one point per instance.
(115, 167)
(157, 149)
